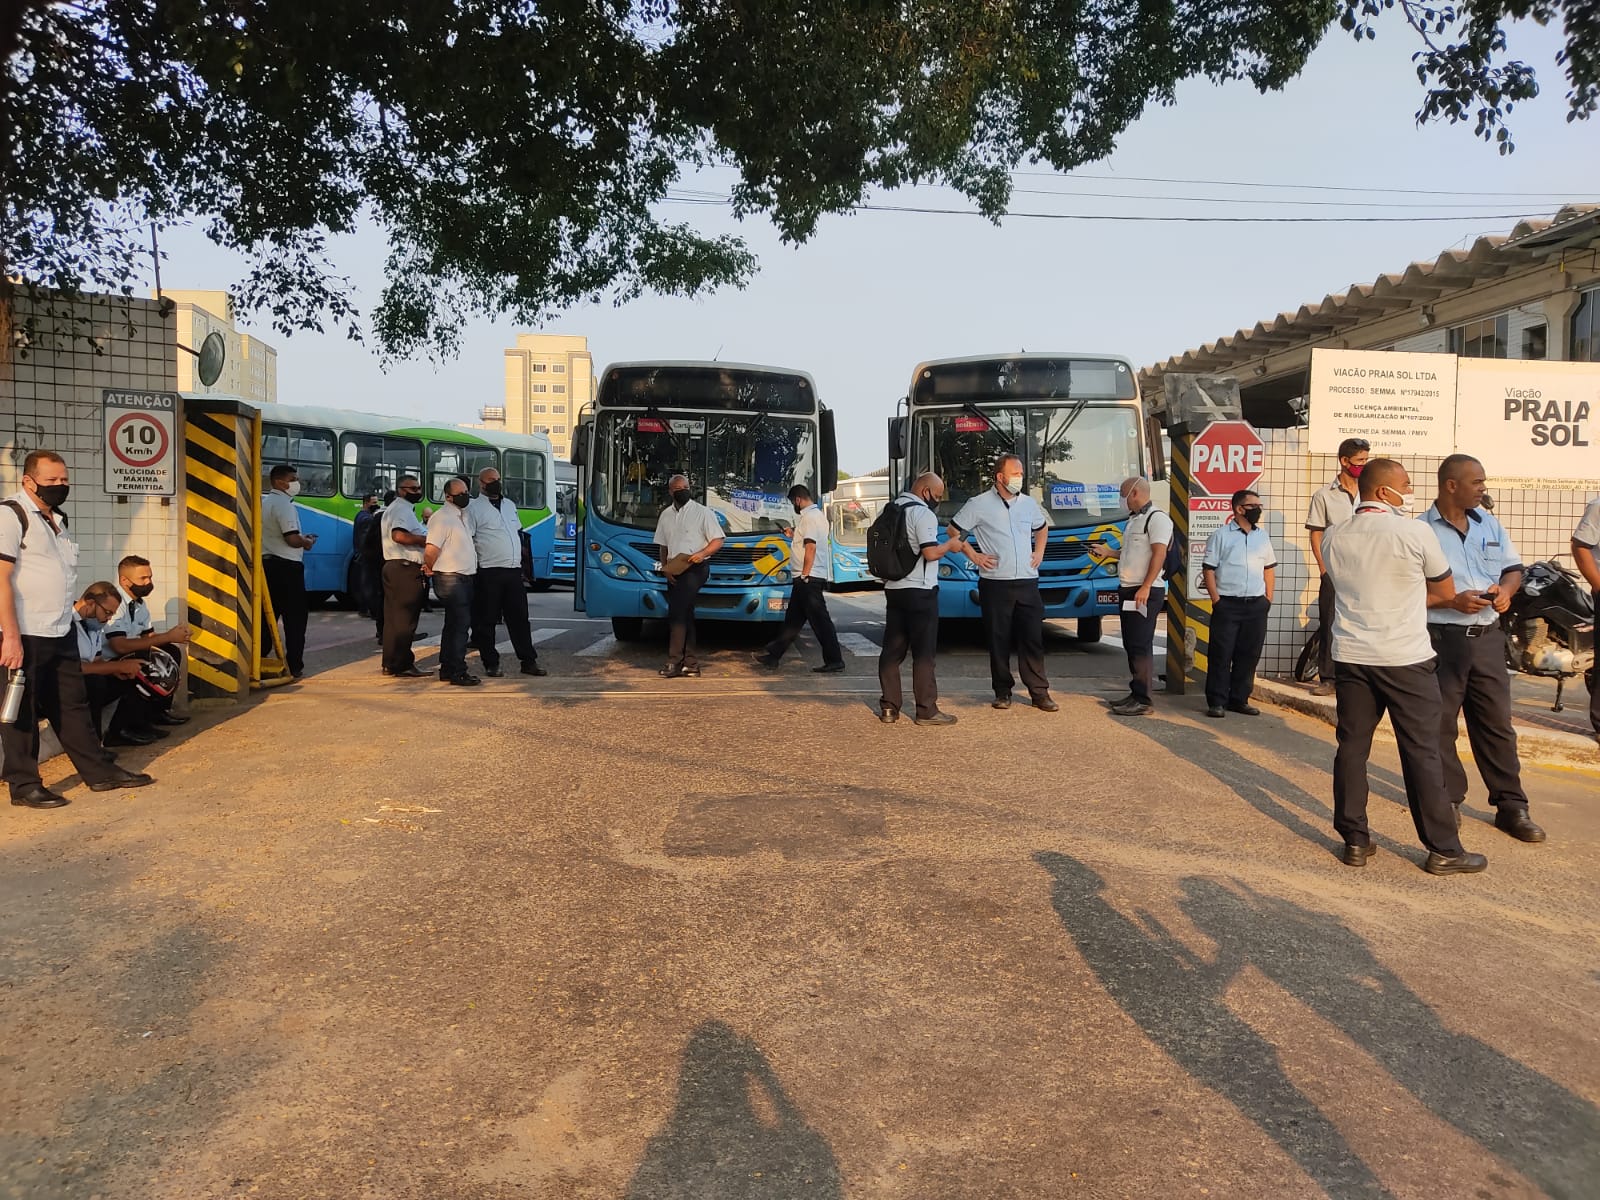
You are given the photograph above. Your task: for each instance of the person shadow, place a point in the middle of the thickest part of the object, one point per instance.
(733, 1132)
(1545, 1131)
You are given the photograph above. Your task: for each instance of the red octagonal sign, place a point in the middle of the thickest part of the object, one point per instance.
(1227, 456)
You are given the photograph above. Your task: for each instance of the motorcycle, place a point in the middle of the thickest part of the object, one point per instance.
(1549, 627)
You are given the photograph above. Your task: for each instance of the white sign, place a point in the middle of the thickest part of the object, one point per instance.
(140, 450)
(1402, 404)
(1207, 514)
(1532, 424)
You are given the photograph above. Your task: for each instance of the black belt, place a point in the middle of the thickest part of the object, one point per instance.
(1464, 630)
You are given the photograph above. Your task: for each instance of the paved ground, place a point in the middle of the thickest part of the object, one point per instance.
(602, 936)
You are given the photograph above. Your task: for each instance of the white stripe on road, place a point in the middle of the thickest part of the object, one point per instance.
(604, 646)
(539, 635)
(859, 644)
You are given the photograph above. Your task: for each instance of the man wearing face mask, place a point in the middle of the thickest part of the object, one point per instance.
(499, 591)
(107, 679)
(1238, 575)
(1331, 506)
(810, 567)
(1011, 528)
(404, 585)
(911, 609)
(689, 533)
(283, 551)
(451, 560)
(131, 633)
(1388, 570)
(38, 583)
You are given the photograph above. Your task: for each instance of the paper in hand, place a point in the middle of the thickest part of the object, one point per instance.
(1135, 606)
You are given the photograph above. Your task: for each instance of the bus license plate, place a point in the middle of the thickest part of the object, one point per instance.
(1107, 597)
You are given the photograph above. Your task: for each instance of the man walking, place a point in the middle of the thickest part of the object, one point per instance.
(1238, 576)
(810, 568)
(38, 590)
(911, 609)
(1332, 506)
(283, 551)
(499, 591)
(688, 534)
(450, 559)
(1585, 540)
(1388, 571)
(1486, 572)
(1141, 590)
(404, 539)
(1011, 528)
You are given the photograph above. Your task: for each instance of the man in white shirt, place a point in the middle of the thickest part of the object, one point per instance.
(38, 587)
(1586, 555)
(810, 567)
(132, 633)
(450, 559)
(1011, 528)
(911, 608)
(1388, 570)
(688, 534)
(499, 592)
(1332, 506)
(283, 551)
(1238, 576)
(1140, 562)
(404, 585)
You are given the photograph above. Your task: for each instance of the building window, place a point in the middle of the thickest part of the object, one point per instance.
(538, 408)
(539, 387)
(558, 387)
(537, 368)
(561, 408)
(1480, 339)
(559, 369)
(1534, 342)
(1586, 328)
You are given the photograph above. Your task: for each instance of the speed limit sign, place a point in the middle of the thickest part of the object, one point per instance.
(139, 430)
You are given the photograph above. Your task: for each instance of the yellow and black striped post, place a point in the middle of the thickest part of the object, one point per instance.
(1188, 617)
(221, 450)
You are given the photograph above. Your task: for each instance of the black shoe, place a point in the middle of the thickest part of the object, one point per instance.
(670, 671)
(1457, 864)
(1216, 711)
(1515, 821)
(689, 672)
(39, 796)
(1001, 700)
(1323, 689)
(1133, 708)
(1045, 703)
(123, 779)
(888, 715)
(158, 734)
(408, 673)
(1355, 856)
(1248, 710)
(533, 668)
(494, 673)
(766, 662)
(167, 718)
(465, 679)
(938, 718)
(128, 737)
(828, 669)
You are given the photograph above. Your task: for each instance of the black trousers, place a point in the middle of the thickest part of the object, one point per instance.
(910, 622)
(54, 692)
(808, 601)
(1139, 641)
(1410, 695)
(1013, 619)
(682, 593)
(372, 595)
(1473, 680)
(404, 586)
(498, 595)
(1594, 696)
(1238, 631)
(134, 710)
(286, 584)
(1325, 623)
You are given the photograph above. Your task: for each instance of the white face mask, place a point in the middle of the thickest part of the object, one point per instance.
(1014, 484)
(294, 487)
(1404, 507)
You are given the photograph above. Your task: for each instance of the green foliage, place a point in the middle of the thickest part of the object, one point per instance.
(516, 154)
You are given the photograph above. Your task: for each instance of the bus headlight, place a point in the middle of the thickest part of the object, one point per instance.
(781, 576)
(622, 569)
(607, 557)
(944, 571)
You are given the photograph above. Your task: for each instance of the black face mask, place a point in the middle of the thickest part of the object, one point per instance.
(1253, 514)
(680, 497)
(411, 497)
(492, 489)
(53, 495)
(461, 499)
(140, 591)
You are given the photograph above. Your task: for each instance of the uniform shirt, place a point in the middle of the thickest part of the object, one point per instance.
(45, 581)
(922, 531)
(1240, 560)
(401, 514)
(132, 618)
(450, 529)
(279, 516)
(91, 639)
(1330, 506)
(1147, 529)
(496, 532)
(1381, 564)
(1477, 560)
(1005, 529)
(687, 530)
(1588, 531)
(811, 526)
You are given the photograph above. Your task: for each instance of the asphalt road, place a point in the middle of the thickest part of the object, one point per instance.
(606, 935)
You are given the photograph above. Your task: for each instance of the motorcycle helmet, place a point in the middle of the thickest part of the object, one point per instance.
(158, 677)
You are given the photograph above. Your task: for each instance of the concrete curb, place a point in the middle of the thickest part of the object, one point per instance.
(1546, 746)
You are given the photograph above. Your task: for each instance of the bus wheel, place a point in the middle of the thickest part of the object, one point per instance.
(627, 629)
(1089, 629)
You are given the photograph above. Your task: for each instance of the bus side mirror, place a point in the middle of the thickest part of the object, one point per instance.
(579, 455)
(897, 437)
(830, 453)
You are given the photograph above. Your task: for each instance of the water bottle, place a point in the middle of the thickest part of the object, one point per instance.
(12, 706)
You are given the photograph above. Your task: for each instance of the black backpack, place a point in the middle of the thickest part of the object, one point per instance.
(1172, 565)
(370, 551)
(890, 554)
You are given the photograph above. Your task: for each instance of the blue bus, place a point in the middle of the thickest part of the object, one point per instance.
(852, 508)
(744, 435)
(1074, 419)
(563, 555)
(342, 456)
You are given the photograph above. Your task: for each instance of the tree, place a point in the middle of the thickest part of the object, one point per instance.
(516, 153)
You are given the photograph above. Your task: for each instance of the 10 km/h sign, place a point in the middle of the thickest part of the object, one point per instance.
(139, 452)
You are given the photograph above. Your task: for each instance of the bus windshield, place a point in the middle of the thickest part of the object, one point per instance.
(740, 465)
(850, 517)
(1075, 457)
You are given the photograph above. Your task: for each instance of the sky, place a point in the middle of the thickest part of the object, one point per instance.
(875, 293)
